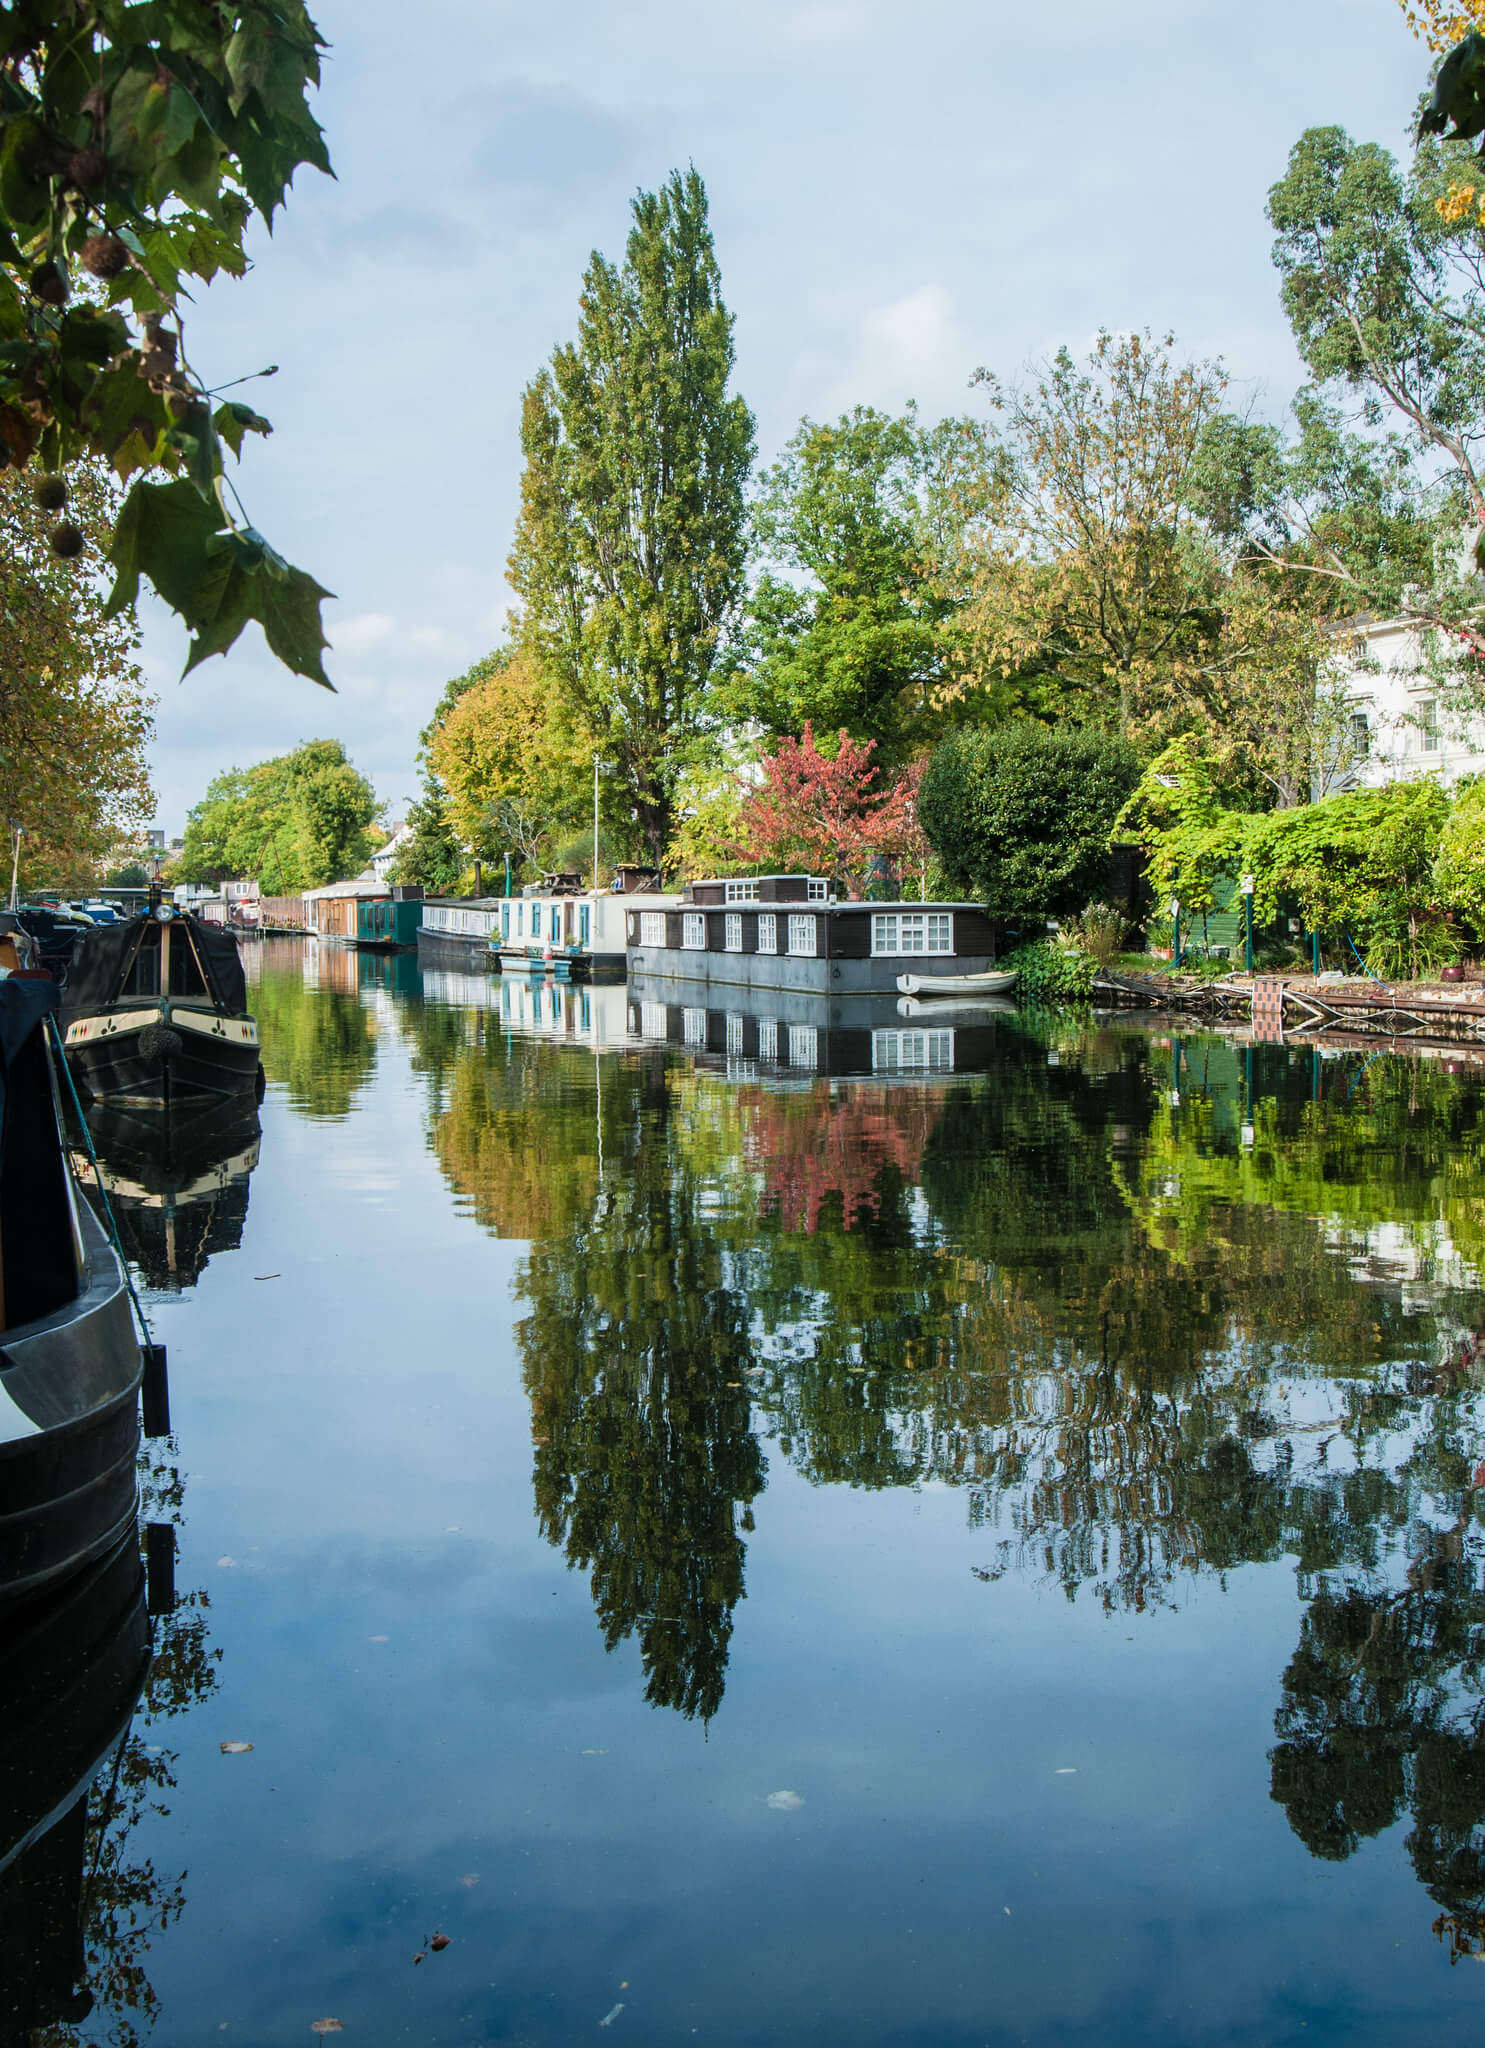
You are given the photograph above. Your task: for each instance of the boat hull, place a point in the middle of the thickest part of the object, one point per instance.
(161, 1052)
(69, 1427)
(960, 985)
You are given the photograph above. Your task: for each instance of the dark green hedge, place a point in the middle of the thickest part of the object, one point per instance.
(1020, 814)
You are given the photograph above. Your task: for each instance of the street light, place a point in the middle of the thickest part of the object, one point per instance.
(1175, 933)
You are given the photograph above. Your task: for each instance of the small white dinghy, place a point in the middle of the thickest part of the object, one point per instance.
(991, 984)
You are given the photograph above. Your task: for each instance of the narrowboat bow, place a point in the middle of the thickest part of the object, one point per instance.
(155, 1010)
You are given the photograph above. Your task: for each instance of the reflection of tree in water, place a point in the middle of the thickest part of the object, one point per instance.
(124, 1899)
(1382, 1711)
(636, 1353)
(1104, 1316)
(319, 1046)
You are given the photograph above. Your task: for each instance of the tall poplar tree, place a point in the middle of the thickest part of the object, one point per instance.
(630, 546)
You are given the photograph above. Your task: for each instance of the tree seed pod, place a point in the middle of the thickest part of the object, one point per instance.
(104, 255)
(87, 169)
(48, 284)
(50, 492)
(67, 540)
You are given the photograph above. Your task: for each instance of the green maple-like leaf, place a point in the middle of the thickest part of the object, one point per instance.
(215, 577)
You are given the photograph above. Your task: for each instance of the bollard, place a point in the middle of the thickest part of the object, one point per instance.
(159, 1567)
(154, 1392)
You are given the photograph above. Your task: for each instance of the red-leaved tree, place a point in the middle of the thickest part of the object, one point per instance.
(831, 816)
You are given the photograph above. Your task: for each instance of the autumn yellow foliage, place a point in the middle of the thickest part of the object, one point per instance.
(1441, 23)
(75, 716)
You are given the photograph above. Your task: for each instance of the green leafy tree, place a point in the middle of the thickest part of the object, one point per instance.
(295, 822)
(75, 716)
(630, 546)
(139, 145)
(1020, 814)
(859, 632)
(1382, 285)
(515, 777)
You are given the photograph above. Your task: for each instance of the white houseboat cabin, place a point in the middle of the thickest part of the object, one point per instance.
(790, 931)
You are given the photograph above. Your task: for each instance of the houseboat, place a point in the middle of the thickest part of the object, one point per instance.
(155, 1010)
(791, 932)
(72, 1365)
(554, 927)
(365, 913)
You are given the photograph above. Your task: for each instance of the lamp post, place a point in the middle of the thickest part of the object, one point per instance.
(1175, 933)
(595, 824)
(1247, 885)
(154, 860)
(15, 861)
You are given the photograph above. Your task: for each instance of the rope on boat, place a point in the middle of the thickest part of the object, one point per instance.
(87, 1138)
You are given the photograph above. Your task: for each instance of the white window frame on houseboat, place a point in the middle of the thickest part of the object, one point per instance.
(817, 892)
(693, 931)
(902, 933)
(768, 931)
(803, 941)
(652, 927)
(732, 932)
(804, 1045)
(740, 892)
(912, 1052)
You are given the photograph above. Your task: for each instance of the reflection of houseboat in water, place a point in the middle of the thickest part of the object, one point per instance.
(555, 927)
(178, 1185)
(799, 1034)
(529, 1007)
(783, 1033)
(772, 932)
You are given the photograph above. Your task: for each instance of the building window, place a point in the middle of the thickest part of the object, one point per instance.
(817, 892)
(732, 931)
(768, 931)
(1428, 725)
(652, 928)
(693, 931)
(913, 931)
(804, 1045)
(556, 924)
(693, 1026)
(802, 936)
(768, 1038)
(652, 1020)
(741, 892)
(1361, 735)
(734, 1032)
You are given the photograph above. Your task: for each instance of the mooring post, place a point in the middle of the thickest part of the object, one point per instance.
(154, 1392)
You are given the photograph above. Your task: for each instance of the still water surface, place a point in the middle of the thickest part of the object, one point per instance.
(756, 1548)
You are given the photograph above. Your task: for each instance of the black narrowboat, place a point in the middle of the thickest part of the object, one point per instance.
(155, 1010)
(73, 1663)
(70, 1362)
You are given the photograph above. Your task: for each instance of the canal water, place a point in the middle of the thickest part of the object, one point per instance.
(965, 1530)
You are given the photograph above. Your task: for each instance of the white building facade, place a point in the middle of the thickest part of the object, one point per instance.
(1402, 726)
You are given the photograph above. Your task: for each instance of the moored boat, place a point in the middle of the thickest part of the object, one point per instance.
(155, 1010)
(991, 984)
(70, 1363)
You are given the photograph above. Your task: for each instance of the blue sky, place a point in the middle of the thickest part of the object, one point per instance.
(899, 193)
